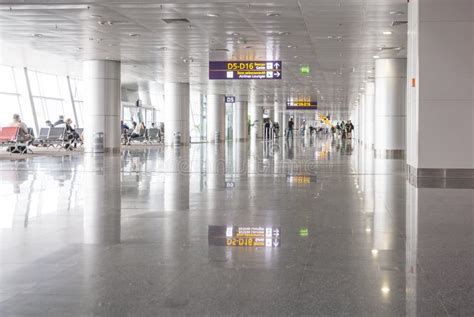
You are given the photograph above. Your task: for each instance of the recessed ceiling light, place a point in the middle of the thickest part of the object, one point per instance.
(38, 35)
(375, 252)
(376, 56)
(273, 14)
(396, 13)
(284, 33)
(235, 34)
(296, 56)
(387, 32)
(248, 46)
(101, 22)
(385, 290)
(79, 48)
(292, 46)
(96, 16)
(330, 37)
(213, 15)
(133, 34)
(369, 71)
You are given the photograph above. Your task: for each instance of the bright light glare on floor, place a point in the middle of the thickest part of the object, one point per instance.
(375, 252)
(385, 290)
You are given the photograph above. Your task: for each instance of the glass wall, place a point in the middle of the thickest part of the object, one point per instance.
(14, 96)
(50, 94)
(54, 95)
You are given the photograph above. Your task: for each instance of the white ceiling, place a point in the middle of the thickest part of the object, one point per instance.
(336, 38)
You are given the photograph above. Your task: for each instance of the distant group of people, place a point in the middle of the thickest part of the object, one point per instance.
(137, 130)
(271, 128)
(344, 129)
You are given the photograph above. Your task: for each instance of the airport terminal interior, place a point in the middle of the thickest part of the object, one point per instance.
(237, 158)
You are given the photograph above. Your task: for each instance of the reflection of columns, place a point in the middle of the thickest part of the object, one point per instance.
(176, 112)
(390, 78)
(239, 156)
(103, 199)
(369, 114)
(411, 249)
(215, 166)
(240, 121)
(102, 103)
(176, 193)
(215, 118)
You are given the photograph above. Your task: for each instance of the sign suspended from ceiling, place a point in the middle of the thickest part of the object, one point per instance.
(245, 70)
(301, 104)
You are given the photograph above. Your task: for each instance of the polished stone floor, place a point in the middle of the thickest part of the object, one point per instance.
(128, 235)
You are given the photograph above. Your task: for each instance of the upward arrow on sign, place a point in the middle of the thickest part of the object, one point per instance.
(276, 65)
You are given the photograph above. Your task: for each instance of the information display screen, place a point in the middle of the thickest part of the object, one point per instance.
(302, 104)
(235, 236)
(245, 70)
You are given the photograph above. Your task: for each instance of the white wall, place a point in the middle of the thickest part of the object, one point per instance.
(440, 107)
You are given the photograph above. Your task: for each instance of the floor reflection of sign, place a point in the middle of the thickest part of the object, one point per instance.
(229, 185)
(300, 179)
(234, 236)
(245, 70)
(229, 99)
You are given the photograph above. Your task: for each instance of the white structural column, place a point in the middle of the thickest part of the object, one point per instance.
(440, 89)
(390, 113)
(176, 113)
(144, 94)
(102, 106)
(240, 120)
(356, 122)
(369, 114)
(256, 117)
(361, 127)
(215, 118)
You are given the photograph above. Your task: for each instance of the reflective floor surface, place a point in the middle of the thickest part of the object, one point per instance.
(128, 235)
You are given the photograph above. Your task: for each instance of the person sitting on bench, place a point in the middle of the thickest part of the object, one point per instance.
(60, 121)
(72, 133)
(23, 133)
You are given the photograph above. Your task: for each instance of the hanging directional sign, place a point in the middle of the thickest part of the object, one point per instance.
(301, 104)
(235, 236)
(245, 70)
(229, 99)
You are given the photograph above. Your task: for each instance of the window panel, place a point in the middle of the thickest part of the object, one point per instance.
(7, 81)
(9, 105)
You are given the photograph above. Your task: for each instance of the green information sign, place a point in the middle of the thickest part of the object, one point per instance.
(303, 232)
(304, 70)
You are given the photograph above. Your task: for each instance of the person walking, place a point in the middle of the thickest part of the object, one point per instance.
(290, 127)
